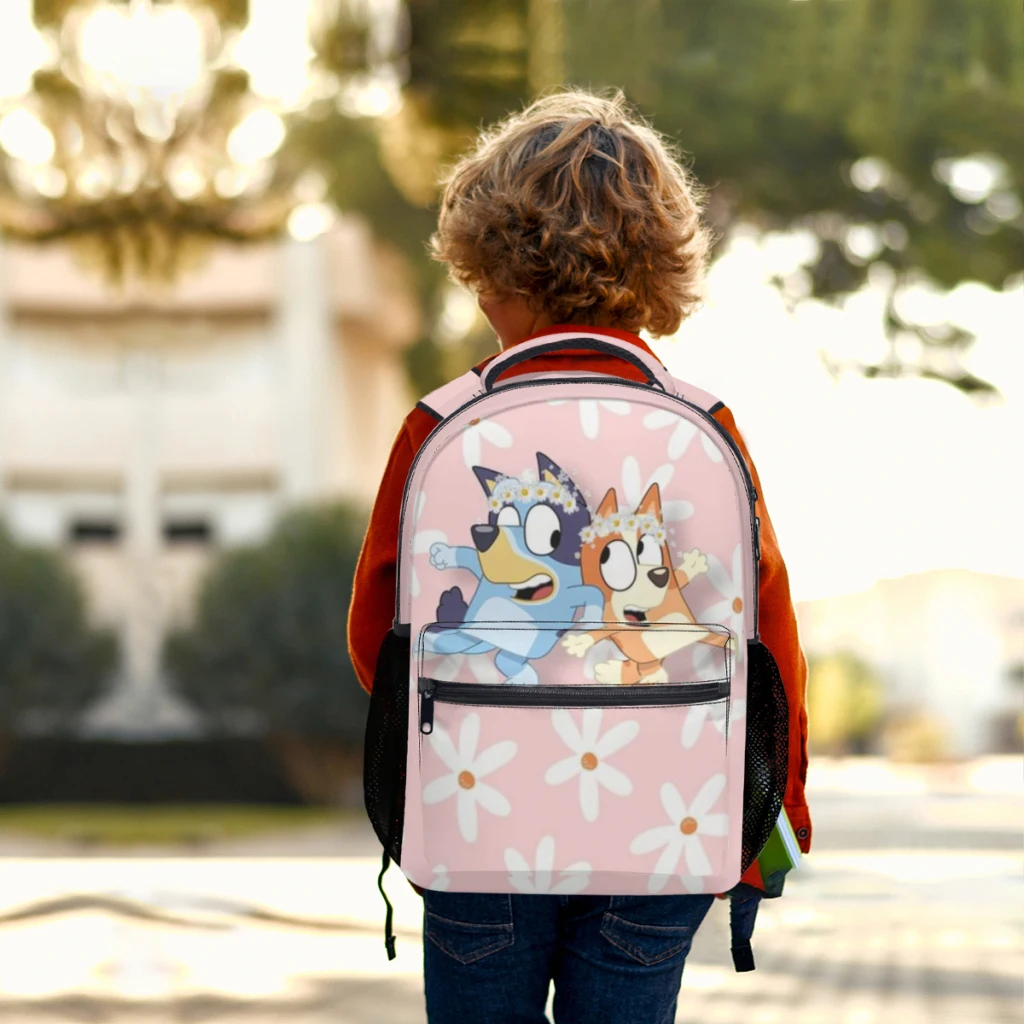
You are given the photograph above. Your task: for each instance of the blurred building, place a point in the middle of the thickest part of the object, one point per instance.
(143, 431)
(949, 643)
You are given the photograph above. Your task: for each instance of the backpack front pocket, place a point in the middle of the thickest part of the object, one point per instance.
(573, 784)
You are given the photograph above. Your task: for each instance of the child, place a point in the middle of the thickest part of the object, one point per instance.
(573, 212)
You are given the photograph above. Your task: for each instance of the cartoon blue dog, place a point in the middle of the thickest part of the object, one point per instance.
(526, 560)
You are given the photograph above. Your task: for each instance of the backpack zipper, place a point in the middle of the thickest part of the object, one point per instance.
(617, 382)
(541, 696)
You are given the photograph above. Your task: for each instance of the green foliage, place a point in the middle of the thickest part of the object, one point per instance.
(52, 663)
(844, 703)
(269, 632)
(776, 101)
(469, 59)
(832, 116)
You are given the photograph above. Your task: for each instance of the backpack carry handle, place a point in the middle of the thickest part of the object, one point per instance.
(654, 373)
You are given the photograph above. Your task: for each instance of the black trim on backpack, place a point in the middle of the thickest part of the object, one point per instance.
(715, 408)
(423, 407)
(386, 748)
(517, 356)
(766, 768)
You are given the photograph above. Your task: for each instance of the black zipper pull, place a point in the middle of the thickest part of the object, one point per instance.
(426, 687)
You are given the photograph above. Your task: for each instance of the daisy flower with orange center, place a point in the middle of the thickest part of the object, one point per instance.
(588, 760)
(466, 770)
(681, 837)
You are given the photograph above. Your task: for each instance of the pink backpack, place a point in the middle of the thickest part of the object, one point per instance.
(574, 697)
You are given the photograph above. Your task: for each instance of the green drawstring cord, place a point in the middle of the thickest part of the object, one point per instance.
(389, 935)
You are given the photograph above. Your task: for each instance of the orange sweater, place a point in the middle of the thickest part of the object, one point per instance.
(373, 594)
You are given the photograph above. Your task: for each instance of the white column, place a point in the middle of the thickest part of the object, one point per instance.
(136, 705)
(142, 640)
(139, 704)
(142, 704)
(305, 333)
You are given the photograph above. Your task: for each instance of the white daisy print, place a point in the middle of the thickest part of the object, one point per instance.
(681, 435)
(633, 489)
(682, 836)
(478, 431)
(421, 541)
(465, 770)
(440, 882)
(573, 879)
(590, 412)
(728, 611)
(693, 725)
(588, 760)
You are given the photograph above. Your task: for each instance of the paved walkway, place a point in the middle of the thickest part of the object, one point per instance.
(914, 922)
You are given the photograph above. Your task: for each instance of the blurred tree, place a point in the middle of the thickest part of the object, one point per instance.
(466, 63)
(52, 663)
(267, 646)
(892, 130)
(914, 734)
(844, 704)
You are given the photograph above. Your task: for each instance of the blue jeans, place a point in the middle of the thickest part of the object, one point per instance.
(489, 959)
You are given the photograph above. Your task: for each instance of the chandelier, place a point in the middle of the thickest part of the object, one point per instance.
(142, 132)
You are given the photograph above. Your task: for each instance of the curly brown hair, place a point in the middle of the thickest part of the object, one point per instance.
(579, 206)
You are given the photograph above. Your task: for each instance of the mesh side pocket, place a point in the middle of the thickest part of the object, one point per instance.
(386, 746)
(767, 750)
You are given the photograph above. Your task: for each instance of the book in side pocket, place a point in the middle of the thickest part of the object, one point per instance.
(781, 852)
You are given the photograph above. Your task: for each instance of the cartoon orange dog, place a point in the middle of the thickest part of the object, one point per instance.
(626, 556)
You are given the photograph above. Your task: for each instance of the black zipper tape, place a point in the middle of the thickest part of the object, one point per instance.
(615, 382)
(546, 696)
